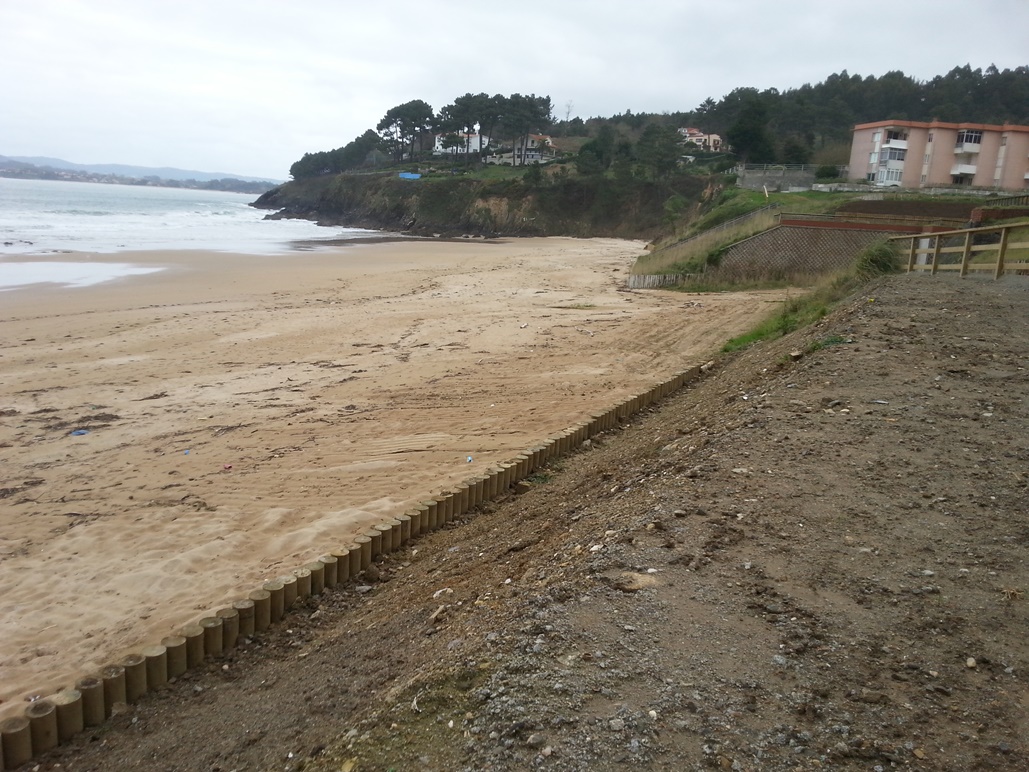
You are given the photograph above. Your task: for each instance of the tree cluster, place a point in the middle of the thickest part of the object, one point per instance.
(814, 122)
(409, 129)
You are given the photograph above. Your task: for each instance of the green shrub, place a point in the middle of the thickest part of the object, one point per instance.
(878, 259)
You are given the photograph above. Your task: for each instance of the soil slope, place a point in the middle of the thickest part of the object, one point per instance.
(795, 564)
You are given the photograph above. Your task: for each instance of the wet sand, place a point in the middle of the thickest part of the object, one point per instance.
(246, 414)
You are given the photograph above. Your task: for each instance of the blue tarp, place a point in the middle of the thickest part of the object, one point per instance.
(410, 176)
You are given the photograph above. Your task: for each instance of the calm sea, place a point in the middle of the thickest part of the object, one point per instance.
(43, 217)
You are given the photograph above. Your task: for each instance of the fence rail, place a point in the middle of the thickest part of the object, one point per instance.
(1021, 200)
(840, 169)
(962, 250)
(877, 219)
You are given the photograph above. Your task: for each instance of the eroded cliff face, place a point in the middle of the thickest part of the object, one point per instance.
(565, 206)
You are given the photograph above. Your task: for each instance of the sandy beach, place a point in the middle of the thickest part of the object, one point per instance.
(245, 414)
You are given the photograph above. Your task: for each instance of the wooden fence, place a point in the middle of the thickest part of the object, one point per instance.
(655, 280)
(963, 250)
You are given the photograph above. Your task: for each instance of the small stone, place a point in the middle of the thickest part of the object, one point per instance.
(536, 740)
(919, 753)
(970, 662)
(616, 724)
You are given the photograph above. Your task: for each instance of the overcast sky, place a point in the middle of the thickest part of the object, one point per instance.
(248, 86)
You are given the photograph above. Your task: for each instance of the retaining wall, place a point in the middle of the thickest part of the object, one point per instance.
(777, 179)
(56, 718)
(785, 252)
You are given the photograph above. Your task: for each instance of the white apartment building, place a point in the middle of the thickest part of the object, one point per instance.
(913, 154)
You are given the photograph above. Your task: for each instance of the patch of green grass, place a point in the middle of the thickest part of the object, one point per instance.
(539, 478)
(876, 260)
(705, 286)
(792, 315)
(827, 342)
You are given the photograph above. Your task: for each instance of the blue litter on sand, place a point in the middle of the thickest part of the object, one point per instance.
(185, 452)
(469, 459)
(79, 432)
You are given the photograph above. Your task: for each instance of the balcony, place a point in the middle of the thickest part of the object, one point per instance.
(896, 144)
(966, 147)
(962, 169)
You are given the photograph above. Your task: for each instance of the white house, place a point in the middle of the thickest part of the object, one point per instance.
(537, 149)
(711, 142)
(470, 143)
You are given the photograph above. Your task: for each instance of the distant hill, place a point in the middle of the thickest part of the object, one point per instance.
(139, 172)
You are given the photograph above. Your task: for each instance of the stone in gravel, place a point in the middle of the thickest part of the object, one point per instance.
(537, 740)
(970, 662)
(628, 581)
(616, 724)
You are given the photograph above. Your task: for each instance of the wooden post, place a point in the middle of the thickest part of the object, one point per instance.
(17, 741)
(912, 253)
(966, 254)
(135, 676)
(175, 655)
(114, 687)
(936, 254)
(92, 690)
(156, 667)
(70, 720)
(262, 600)
(42, 716)
(1001, 250)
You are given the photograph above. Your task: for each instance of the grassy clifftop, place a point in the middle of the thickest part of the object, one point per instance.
(530, 205)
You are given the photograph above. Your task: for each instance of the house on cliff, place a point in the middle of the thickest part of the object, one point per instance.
(459, 143)
(694, 136)
(533, 149)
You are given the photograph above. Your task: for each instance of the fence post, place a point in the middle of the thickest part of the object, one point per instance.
(966, 254)
(936, 254)
(912, 254)
(1003, 247)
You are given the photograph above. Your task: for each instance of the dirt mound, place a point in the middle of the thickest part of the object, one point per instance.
(808, 561)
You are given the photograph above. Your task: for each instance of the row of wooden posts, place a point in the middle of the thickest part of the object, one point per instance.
(56, 718)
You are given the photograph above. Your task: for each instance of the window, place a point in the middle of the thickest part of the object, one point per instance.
(1003, 141)
(891, 134)
(922, 180)
(873, 159)
(925, 158)
(970, 137)
(930, 136)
